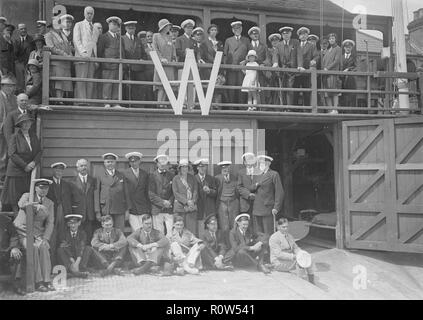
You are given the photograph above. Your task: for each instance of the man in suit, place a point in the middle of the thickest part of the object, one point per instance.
(207, 191)
(149, 247)
(23, 46)
(110, 245)
(185, 41)
(227, 200)
(247, 248)
(174, 31)
(109, 197)
(136, 189)
(7, 51)
(161, 195)
(23, 108)
(349, 63)
(110, 46)
(42, 27)
(98, 87)
(234, 51)
(8, 103)
(83, 187)
(73, 251)
(307, 56)
(60, 192)
(43, 209)
(247, 183)
(285, 56)
(269, 197)
(85, 38)
(214, 256)
(148, 74)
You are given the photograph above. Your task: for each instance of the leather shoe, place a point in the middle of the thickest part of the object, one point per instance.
(41, 288)
(263, 269)
(49, 287)
(167, 269)
(118, 271)
(19, 291)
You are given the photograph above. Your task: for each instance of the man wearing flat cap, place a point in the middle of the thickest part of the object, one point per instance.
(349, 64)
(307, 56)
(185, 41)
(247, 247)
(73, 251)
(134, 50)
(213, 256)
(269, 197)
(60, 192)
(7, 52)
(227, 199)
(136, 190)
(234, 51)
(43, 209)
(109, 197)
(110, 46)
(285, 56)
(207, 191)
(23, 46)
(161, 195)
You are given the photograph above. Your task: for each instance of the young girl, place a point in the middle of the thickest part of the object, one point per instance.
(250, 79)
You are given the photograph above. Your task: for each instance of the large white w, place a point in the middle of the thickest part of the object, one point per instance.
(190, 65)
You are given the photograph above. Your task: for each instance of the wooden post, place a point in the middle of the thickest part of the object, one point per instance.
(339, 185)
(262, 25)
(287, 173)
(206, 18)
(420, 88)
(30, 281)
(46, 78)
(120, 80)
(314, 100)
(369, 92)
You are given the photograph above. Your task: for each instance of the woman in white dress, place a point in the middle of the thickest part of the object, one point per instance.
(250, 80)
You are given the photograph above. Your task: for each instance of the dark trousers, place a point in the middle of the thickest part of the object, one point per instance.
(107, 257)
(208, 255)
(110, 90)
(147, 93)
(235, 78)
(287, 81)
(302, 81)
(246, 259)
(133, 92)
(16, 268)
(64, 257)
(263, 224)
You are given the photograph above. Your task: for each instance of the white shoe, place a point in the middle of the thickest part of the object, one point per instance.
(190, 270)
(333, 112)
(107, 106)
(117, 106)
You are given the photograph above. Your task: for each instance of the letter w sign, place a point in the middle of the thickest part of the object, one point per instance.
(190, 65)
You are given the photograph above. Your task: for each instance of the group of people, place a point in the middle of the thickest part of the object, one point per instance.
(180, 223)
(86, 39)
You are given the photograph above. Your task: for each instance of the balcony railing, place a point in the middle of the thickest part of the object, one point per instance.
(385, 97)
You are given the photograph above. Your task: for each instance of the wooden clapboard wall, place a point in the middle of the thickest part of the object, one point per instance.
(68, 135)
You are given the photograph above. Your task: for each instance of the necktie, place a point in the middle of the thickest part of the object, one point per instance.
(227, 178)
(214, 236)
(91, 27)
(74, 235)
(41, 200)
(148, 238)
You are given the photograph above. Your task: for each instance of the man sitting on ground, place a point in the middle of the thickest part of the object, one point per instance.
(148, 247)
(109, 246)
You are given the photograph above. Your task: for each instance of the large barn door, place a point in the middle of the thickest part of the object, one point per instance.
(383, 176)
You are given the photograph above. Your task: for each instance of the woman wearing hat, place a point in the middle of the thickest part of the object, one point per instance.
(24, 155)
(7, 52)
(39, 43)
(163, 45)
(185, 191)
(33, 82)
(332, 62)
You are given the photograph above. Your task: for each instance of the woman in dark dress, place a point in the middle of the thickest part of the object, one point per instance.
(24, 155)
(332, 62)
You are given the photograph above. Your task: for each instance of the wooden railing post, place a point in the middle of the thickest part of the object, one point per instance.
(369, 92)
(314, 100)
(120, 80)
(420, 89)
(29, 212)
(46, 78)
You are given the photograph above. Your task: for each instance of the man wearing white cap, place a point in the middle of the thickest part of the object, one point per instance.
(43, 209)
(349, 63)
(85, 38)
(285, 56)
(285, 254)
(59, 44)
(261, 52)
(198, 36)
(247, 182)
(185, 41)
(42, 26)
(247, 248)
(227, 200)
(110, 198)
(269, 197)
(60, 192)
(136, 190)
(161, 195)
(134, 50)
(234, 51)
(110, 46)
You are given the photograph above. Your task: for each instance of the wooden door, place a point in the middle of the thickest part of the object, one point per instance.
(383, 177)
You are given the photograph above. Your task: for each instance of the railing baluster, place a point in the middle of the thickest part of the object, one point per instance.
(46, 78)
(420, 88)
(314, 100)
(369, 92)
(120, 80)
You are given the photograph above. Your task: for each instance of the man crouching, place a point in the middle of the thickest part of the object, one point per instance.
(148, 247)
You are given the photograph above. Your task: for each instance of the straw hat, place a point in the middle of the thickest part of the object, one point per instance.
(163, 23)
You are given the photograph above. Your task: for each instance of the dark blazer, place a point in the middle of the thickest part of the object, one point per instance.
(348, 81)
(207, 51)
(33, 87)
(61, 194)
(140, 236)
(7, 56)
(134, 50)
(269, 194)
(218, 246)
(245, 187)
(180, 192)
(9, 127)
(306, 54)
(206, 202)
(83, 197)
(108, 47)
(136, 190)
(220, 180)
(23, 49)
(74, 247)
(8, 236)
(286, 56)
(148, 73)
(239, 242)
(109, 197)
(261, 51)
(117, 238)
(20, 155)
(234, 50)
(181, 44)
(159, 189)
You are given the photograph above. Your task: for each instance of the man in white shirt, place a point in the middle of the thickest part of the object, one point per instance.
(85, 38)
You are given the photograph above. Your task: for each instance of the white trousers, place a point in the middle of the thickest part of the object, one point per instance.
(135, 222)
(162, 219)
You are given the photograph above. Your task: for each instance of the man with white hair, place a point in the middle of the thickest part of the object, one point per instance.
(12, 117)
(85, 38)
